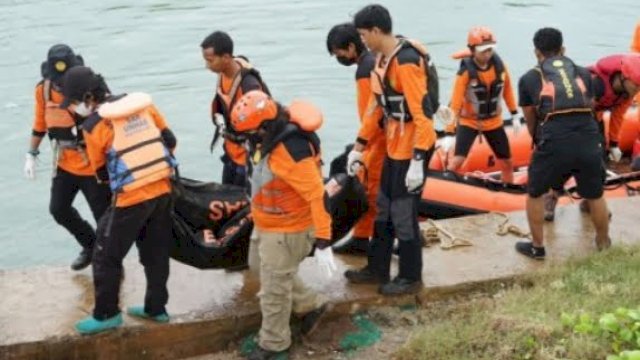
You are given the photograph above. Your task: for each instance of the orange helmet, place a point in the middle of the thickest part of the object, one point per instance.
(631, 67)
(251, 110)
(480, 35)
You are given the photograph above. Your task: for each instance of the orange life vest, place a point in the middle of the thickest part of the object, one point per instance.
(61, 124)
(137, 156)
(223, 103)
(393, 103)
(269, 193)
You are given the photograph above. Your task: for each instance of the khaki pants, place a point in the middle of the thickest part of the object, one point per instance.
(277, 256)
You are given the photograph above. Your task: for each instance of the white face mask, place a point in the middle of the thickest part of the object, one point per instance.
(83, 110)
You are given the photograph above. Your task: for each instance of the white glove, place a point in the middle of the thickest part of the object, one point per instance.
(516, 122)
(415, 175)
(218, 120)
(325, 260)
(444, 115)
(30, 167)
(615, 154)
(447, 142)
(353, 160)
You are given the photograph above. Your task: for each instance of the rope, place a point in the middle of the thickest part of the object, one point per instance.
(506, 228)
(438, 234)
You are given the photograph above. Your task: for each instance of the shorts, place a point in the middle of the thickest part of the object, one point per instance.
(555, 160)
(497, 139)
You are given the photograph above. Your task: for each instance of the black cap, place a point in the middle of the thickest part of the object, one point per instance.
(77, 82)
(60, 58)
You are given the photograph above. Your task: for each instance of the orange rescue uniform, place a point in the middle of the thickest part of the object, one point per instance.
(70, 160)
(373, 155)
(461, 104)
(99, 141)
(402, 136)
(289, 194)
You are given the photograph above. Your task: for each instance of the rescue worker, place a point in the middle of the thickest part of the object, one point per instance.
(399, 96)
(288, 209)
(128, 143)
(236, 76)
(72, 171)
(480, 85)
(556, 100)
(343, 42)
(635, 42)
(616, 80)
(615, 86)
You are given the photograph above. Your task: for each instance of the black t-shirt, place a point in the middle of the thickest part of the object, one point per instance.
(529, 88)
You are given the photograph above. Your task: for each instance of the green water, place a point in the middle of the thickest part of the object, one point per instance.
(153, 46)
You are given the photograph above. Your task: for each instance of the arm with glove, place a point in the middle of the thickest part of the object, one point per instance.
(510, 100)
(305, 178)
(369, 127)
(38, 132)
(414, 85)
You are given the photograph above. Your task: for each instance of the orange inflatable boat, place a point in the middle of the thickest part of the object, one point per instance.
(449, 194)
(482, 158)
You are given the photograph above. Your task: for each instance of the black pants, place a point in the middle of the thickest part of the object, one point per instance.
(232, 173)
(64, 188)
(148, 224)
(497, 139)
(397, 217)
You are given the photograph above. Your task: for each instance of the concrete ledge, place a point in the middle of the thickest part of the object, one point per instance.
(38, 307)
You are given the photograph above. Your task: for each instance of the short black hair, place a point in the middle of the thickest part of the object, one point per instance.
(372, 16)
(548, 41)
(341, 35)
(220, 41)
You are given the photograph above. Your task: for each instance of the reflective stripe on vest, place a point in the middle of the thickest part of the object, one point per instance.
(271, 194)
(263, 196)
(563, 91)
(60, 123)
(138, 155)
(485, 99)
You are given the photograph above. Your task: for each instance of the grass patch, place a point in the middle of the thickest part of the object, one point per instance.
(527, 323)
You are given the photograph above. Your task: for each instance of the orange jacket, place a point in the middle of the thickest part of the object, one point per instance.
(366, 64)
(635, 43)
(70, 160)
(406, 75)
(287, 190)
(462, 105)
(99, 140)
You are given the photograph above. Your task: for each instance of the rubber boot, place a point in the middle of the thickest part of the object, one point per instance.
(409, 279)
(378, 266)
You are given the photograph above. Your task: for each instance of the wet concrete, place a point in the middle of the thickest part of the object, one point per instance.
(38, 307)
